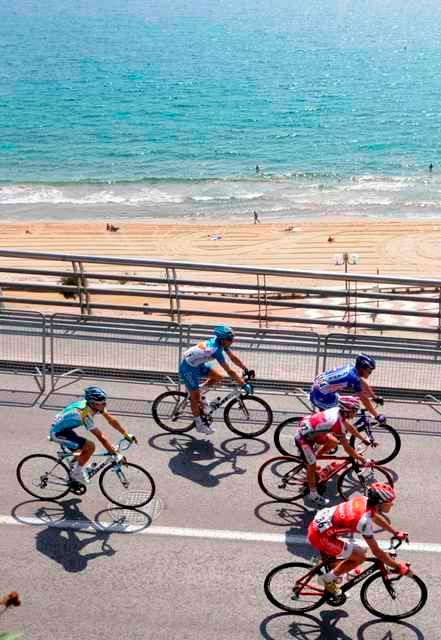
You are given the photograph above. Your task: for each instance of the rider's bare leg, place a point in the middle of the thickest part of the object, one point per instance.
(86, 453)
(357, 556)
(213, 378)
(311, 476)
(331, 443)
(195, 399)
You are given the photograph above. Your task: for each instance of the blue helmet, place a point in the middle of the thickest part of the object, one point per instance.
(95, 394)
(364, 361)
(223, 332)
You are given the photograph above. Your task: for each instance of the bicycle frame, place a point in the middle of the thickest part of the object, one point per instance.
(65, 454)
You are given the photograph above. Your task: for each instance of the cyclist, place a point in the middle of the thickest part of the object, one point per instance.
(82, 414)
(328, 429)
(195, 365)
(355, 516)
(348, 379)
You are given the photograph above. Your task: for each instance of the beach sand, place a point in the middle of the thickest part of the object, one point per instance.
(409, 248)
(404, 248)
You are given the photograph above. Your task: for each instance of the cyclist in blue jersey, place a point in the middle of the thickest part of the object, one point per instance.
(350, 379)
(196, 365)
(82, 414)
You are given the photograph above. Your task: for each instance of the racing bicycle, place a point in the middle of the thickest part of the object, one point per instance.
(293, 587)
(283, 478)
(385, 441)
(245, 414)
(123, 483)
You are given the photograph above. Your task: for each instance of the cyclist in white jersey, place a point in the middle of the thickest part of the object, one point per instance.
(195, 366)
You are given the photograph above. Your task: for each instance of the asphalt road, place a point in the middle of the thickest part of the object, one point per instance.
(191, 565)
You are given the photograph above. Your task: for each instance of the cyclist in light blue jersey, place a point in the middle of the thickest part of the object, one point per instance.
(350, 379)
(82, 414)
(196, 365)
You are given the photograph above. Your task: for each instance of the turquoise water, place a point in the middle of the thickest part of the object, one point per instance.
(169, 114)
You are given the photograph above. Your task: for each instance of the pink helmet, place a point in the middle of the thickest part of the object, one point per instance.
(379, 492)
(348, 404)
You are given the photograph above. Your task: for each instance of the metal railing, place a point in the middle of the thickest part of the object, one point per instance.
(23, 345)
(252, 296)
(68, 348)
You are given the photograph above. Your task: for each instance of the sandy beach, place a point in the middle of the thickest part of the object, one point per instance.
(388, 247)
(404, 248)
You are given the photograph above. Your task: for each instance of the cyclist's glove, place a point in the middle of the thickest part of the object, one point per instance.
(247, 388)
(381, 418)
(131, 438)
(401, 535)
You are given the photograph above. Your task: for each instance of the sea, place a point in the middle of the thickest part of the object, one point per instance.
(193, 110)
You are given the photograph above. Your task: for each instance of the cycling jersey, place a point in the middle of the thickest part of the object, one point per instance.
(203, 352)
(315, 428)
(324, 389)
(74, 415)
(328, 421)
(195, 364)
(349, 517)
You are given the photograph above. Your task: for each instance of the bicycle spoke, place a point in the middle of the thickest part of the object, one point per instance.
(395, 599)
(291, 587)
(249, 416)
(44, 477)
(351, 483)
(283, 479)
(128, 486)
(172, 411)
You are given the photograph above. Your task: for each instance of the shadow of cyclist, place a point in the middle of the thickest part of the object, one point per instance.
(382, 629)
(187, 462)
(65, 544)
(302, 627)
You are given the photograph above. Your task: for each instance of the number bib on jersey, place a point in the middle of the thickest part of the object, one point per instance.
(323, 519)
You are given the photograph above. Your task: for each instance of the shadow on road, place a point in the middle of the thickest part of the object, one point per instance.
(325, 625)
(66, 530)
(66, 546)
(191, 457)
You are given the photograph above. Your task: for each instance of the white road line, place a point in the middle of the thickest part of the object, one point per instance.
(185, 532)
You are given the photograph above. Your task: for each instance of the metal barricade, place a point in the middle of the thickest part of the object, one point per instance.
(283, 360)
(405, 367)
(22, 345)
(136, 351)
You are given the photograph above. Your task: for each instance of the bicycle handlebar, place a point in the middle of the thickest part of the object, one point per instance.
(123, 445)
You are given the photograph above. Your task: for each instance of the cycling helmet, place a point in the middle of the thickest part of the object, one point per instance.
(364, 361)
(95, 394)
(379, 492)
(223, 332)
(348, 403)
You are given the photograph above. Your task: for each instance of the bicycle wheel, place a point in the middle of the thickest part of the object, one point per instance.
(248, 416)
(388, 443)
(293, 587)
(395, 599)
(127, 485)
(283, 478)
(284, 437)
(350, 484)
(43, 477)
(172, 411)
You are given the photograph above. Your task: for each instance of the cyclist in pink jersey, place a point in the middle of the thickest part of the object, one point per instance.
(348, 518)
(327, 428)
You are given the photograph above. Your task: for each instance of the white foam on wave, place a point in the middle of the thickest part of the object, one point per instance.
(24, 194)
(228, 197)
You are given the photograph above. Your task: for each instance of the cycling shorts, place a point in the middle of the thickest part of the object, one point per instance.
(323, 400)
(68, 438)
(192, 376)
(329, 544)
